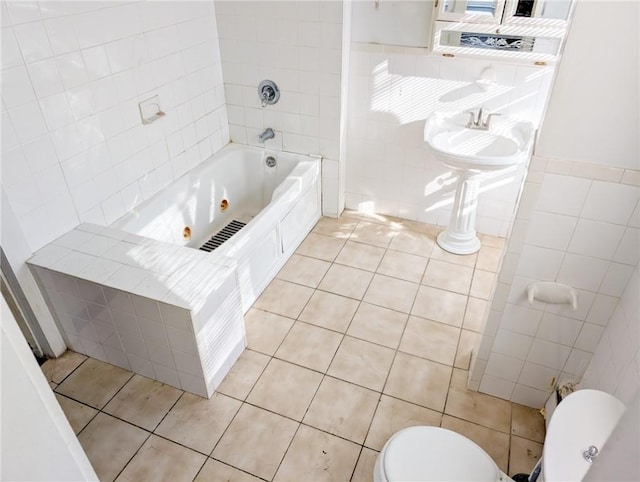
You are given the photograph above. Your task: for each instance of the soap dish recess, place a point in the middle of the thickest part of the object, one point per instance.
(150, 110)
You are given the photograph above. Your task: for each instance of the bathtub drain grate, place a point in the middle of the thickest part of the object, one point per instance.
(223, 235)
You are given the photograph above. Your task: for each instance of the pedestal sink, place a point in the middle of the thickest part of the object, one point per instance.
(472, 152)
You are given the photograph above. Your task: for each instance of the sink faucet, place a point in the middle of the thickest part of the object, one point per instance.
(266, 135)
(478, 122)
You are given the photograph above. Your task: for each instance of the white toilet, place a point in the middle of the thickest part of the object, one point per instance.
(436, 454)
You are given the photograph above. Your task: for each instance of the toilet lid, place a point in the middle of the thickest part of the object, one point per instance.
(436, 454)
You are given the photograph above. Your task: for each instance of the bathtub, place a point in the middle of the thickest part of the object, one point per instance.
(276, 206)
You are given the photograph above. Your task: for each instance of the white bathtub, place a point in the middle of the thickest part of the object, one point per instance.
(279, 205)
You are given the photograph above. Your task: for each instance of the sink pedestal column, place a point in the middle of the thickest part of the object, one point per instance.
(460, 236)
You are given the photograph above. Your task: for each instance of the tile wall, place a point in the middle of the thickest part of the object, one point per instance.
(392, 90)
(298, 45)
(73, 145)
(615, 366)
(577, 224)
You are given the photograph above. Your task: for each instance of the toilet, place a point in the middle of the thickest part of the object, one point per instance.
(424, 453)
(434, 454)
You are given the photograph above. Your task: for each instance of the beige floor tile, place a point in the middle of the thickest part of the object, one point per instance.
(489, 258)
(143, 402)
(362, 363)
(161, 460)
(341, 227)
(57, 369)
(378, 325)
(495, 443)
(342, 409)
(346, 281)
(408, 267)
(466, 345)
(493, 241)
(329, 311)
(360, 255)
(391, 293)
(284, 298)
(419, 381)
(94, 383)
(440, 305)
(375, 234)
(365, 466)
(109, 444)
(393, 415)
(430, 339)
(309, 346)
(243, 375)
(77, 414)
(320, 246)
(466, 259)
(304, 270)
(317, 456)
(523, 455)
(476, 407)
(256, 441)
(527, 423)
(286, 389)
(215, 471)
(448, 276)
(53, 386)
(482, 284)
(197, 422)
(265, 331)
(474, 315)
(420, 227)
(411, 242)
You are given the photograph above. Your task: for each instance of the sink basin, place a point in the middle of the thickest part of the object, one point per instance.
(507, 142)
(584, 418)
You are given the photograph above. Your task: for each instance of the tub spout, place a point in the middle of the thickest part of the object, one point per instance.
(266, 135)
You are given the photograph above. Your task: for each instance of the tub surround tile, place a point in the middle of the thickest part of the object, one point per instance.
(94, 383)
(304, 270)
(256, 441)
(215, 470)
(109, 444)
(346, 281)
(429, 339)
(329, 311)
(392, 415)
(285, 389)
(162, 460)
(318, 456)
(198, 423)
(265, 331)
(523, 455)
(244, 374)
(419, 381)
(495, 443)
(309, 346)
(342, 409)
(362, 363)
(365, 466)
(143, 402)
(476, 407)
(77, 414)
(284, 298)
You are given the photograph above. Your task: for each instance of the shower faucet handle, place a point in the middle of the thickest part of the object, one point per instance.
(590, 454)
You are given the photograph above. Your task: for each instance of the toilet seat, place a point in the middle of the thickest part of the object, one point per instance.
(434, 454)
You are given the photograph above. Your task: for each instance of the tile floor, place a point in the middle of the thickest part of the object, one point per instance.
(366, 330)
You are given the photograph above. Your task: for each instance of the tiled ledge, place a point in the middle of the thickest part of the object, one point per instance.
(167, 312)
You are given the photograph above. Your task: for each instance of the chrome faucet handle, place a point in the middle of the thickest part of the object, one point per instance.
(488, 119)
(472, 118)
(590, 454)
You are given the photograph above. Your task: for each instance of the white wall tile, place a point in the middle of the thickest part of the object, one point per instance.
(548, 230)
(538, 377)
(616, 279)
(582, 272)
(610, 202)
(512, 344)
(33, 41)
(563, 194)
(61, 34)
(548, 354)
(559, 329)
(589, 337)
(16, 87)
(596, 239)
(539, 263)
(27, 122)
